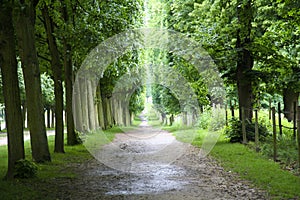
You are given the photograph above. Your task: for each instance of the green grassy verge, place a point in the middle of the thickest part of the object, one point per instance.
(58, 168)
(262, 172)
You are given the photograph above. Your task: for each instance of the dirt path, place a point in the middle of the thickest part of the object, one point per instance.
(153, 175)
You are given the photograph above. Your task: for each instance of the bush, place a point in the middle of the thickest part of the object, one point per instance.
(234, 131)
(25, 169)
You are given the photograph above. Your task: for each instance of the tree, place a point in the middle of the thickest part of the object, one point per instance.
(276, 50)
(245, 59)
(57, 76)
(72, 137)
(24, 14)
(224, 28)
(11, 91)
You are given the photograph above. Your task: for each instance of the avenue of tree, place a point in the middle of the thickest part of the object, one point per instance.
(255, 45)
(52, 38)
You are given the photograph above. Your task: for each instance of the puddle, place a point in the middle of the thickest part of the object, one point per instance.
(159, 179)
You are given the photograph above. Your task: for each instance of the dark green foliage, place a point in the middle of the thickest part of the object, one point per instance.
(234, 131)
(25, 169)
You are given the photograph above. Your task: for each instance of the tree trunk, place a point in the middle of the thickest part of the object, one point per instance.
(118, 115)
(100, 108)
(11, 91)
(72, 138)
(24, 23)
(127, 113)
(244, 59)
(84, 104)
(107, 112)
(57, 78)
(90, 105)
(77, 106)
(52, 117)
(289, 97)
(94, 88)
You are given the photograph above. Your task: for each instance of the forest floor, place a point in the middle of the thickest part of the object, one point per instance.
(147, 163)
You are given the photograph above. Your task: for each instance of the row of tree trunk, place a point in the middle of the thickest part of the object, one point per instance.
(17, 18)
(94, 110)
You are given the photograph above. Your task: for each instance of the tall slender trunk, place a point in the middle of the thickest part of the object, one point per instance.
(52, 117)
(100, 108)
(244, 58)
(77, 106)
(94, 87)
(24, 13)
(84, 103)
(72, 138)
(108, 118)
(57, 78)
(11, 91)
(289, 97)
(90, 105)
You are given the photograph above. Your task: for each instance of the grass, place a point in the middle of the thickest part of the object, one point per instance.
(48, 173)
(262, 172)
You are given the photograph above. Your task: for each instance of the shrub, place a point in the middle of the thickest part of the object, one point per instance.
(234, 131)
(25, 169)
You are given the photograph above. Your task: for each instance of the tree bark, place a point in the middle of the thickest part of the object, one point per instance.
(104, 107)
(289, 97)
(84, 103)
(90, 105)
(11, 91)
(57, 78)
(244, 59)
(94, 87)
(24, 13)
(52, 117)
(77, 106)
(100, 108)
(108, 119)
(72, 138)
